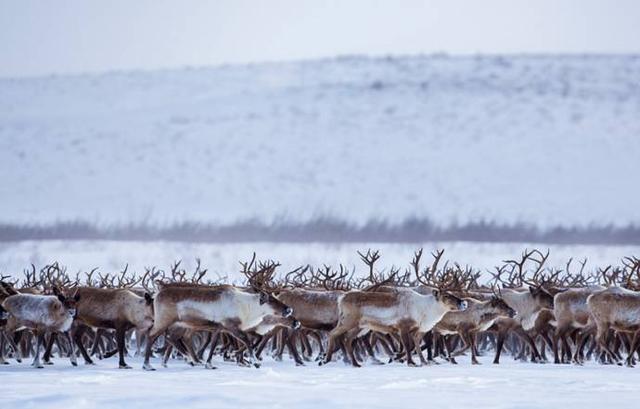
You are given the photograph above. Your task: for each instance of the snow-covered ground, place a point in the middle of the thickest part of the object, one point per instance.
(223, 259)
(546, 140)
(282, 385)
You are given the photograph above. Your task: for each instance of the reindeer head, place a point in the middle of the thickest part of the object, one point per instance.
(501, 308)
(260, 278)
(277, 305)
(541, 296)
(141, 312)
(69, 303)
(449, 300)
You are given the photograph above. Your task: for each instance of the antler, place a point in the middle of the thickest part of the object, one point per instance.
(199, 273)
(426, 276)
(260, 276)
(370, 259)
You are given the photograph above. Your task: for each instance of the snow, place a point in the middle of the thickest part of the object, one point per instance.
(222, 260)
(546, 140)
(283, 385)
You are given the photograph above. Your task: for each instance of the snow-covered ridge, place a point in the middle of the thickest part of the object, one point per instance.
(544, 140)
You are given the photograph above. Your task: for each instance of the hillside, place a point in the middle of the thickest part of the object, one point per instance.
(543, 140)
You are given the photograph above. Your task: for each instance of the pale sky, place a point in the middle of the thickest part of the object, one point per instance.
(73, 36)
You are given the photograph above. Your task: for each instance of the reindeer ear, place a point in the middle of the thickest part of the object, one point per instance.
(61, 298)
(532, 289)
(264, 297)
(148, 298)
(436, 293)
(56, 290)
(76, 298)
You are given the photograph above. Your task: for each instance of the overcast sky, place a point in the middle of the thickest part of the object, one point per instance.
(69, 36)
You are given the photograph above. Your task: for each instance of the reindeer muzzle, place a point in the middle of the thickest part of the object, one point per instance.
(462, 305)
(72, 312)
(287, 312)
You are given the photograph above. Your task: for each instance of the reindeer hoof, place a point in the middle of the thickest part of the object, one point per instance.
(125, 366)
(256, 365)
(148, 367)
(299, 363)
(74, 363)
(476, 363)
(208, 365)
(90, 363)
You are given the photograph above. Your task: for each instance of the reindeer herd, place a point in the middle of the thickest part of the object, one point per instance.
(443, 310)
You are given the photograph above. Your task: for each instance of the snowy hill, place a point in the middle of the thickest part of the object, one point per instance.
(548, 140)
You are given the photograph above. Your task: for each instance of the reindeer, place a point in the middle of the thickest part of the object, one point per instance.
(41, 314)
(616, 309)
(110, 308)
(403, 311)
(478, 317)
(204, 307)
(572, 313)
(528, 302)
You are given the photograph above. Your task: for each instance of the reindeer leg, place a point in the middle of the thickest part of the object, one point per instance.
(281, 340)
(417, 341)
(334, 336)
(566, 350)
(72, 351)
(448, 346)
(292, 348)
(307, 351)
(632, 349)
(408, 346)
(547, 343)
(602, 340)
(154, 333)
(2, 348)
(369, 349)
(120, 334)
(46, 358)
(204, 345)
(214, 343)
(263, 343)
(470, 339)
(349, 340)
(39, 342)
(244, 339)
(499, 346)
(318, 339)
(76, 335)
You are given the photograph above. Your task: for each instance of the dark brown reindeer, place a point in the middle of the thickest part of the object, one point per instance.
(118, 309)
